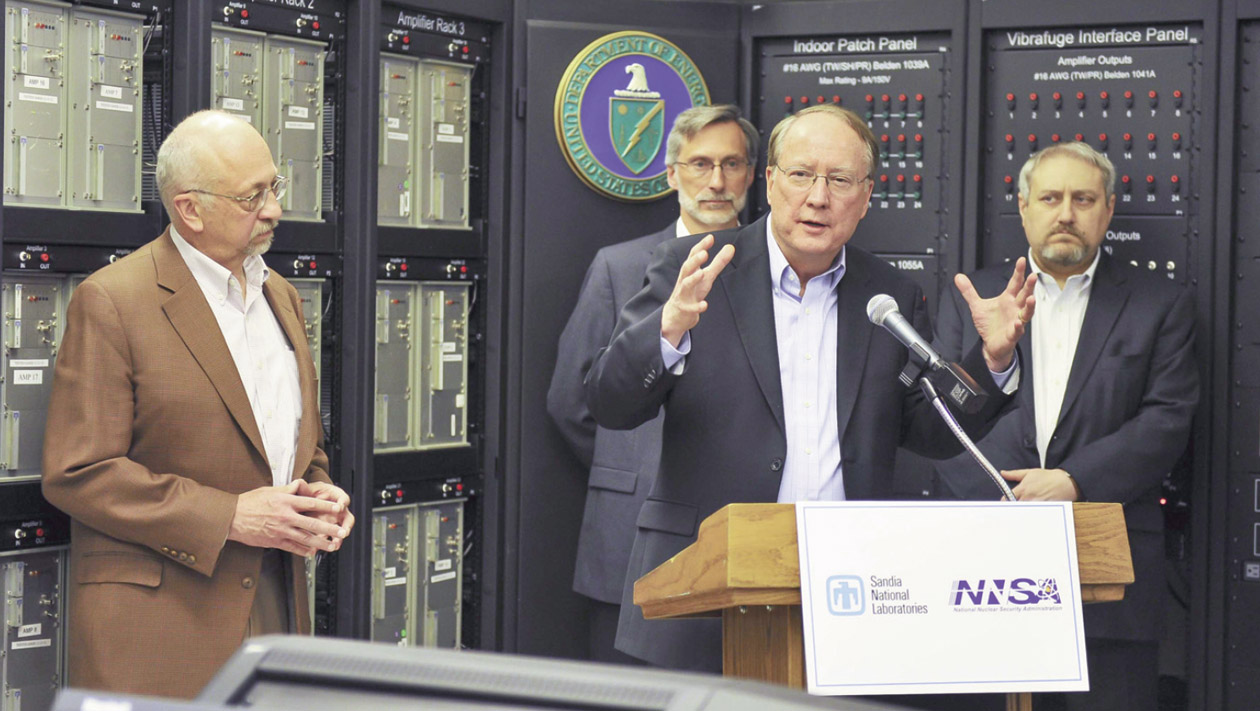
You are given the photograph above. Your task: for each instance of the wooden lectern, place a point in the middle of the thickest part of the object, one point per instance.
(745, 566)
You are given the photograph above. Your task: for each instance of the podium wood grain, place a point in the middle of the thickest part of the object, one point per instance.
(745, 566)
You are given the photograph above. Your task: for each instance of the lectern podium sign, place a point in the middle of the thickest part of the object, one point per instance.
(921, 598)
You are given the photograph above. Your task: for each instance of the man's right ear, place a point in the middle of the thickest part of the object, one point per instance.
(188, 207)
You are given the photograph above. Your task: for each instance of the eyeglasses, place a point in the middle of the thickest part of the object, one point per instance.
(702, 168)
(802, 179)
(254, 202)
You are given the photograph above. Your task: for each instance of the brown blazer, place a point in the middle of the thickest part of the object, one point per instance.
(150, 439)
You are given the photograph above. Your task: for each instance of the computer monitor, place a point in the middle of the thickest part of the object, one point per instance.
(289, 673)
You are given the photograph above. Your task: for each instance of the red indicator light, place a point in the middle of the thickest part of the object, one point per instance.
(835, 99)
(1125, 179)
(465, 49)
(918, 138)
(459, 487)
(1080, 95)
(44, 257)
(1175, 179)
(1128, 136)
(1104, 95)
(918, 97)
(1102, 136)
(1056, 96)
(39, 532)
(869, 98)
(822, 99)
(1055, 138)
(885, 98)
(883, 179)
(804, 99)
(406, 40)
(1032, 96)
(403, 266)
(901, 98)
(463, 270)
(1079, 137)
(1176, 136)
(399, 493)
(1150, 179)
(1010, 96)
(315, 25)
(245, 14)
(1008, 180)
(787, 99)
(312, 264)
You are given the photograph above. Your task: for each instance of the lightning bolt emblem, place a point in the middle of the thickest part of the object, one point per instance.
(641, 127)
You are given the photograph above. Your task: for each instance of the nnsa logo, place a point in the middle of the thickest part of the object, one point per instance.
(999, 591)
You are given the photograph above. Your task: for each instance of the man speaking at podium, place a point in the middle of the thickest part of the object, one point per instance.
(1110, 361)
(775, 384)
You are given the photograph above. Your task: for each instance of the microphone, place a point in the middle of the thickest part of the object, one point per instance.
(882, 311)
(948, 378)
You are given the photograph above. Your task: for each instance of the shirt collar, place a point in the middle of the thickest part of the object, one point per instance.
(681, 230)
(215, 279)
(782, 275)
(1086, 278)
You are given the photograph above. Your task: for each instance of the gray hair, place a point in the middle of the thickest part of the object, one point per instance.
(855, 122)
(1073, 149)
(696, 119)
(180, 160)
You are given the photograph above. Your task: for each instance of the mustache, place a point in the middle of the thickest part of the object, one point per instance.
(1066, 229)
(263, 226)
(709, 194)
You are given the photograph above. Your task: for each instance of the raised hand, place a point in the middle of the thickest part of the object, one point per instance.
(1001, 321)
(682, 311)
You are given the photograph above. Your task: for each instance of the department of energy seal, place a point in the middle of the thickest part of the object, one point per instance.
(614, 107)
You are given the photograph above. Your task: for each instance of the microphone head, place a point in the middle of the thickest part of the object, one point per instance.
(878, 308)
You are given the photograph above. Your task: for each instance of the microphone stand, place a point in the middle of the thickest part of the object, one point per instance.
(930, 391)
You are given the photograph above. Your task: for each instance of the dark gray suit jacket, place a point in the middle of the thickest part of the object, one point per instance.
(1126, 414)
(622, 462)
(724, 438)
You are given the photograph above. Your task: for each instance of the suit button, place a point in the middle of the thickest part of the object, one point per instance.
(166, 549)
(183, 556)
(192, 559)
(247, 583)
(776, 465)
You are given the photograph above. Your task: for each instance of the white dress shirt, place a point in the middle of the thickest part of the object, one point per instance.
(1056, 329)
(805, 328)
(263, 355)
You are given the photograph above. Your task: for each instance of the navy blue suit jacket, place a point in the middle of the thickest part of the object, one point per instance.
(724, 438)
(1125, 419)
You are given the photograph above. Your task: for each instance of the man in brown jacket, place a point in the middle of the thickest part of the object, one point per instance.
(184, 435)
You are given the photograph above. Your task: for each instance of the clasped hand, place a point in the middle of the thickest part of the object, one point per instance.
(301, 518)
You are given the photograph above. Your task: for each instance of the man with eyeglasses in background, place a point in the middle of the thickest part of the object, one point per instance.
(710, 154)
(184, 436)
(774, 383)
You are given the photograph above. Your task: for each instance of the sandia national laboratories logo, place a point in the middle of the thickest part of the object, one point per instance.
(614, 107)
